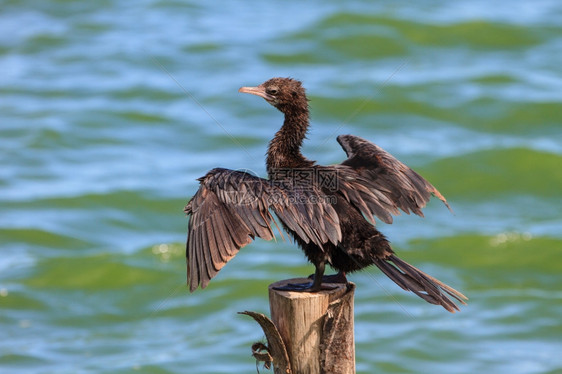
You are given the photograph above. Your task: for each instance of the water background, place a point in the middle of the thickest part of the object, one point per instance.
(110, 110)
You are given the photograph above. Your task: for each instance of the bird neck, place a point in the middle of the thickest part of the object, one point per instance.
(284, 150)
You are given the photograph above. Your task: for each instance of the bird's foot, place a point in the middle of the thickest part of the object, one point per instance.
(334, 278)
(315, 286)
(305, 287)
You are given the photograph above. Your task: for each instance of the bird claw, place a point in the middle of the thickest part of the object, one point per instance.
(334, 278)
(304, 287)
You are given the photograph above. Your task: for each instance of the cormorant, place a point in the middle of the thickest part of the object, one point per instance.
(328, 210)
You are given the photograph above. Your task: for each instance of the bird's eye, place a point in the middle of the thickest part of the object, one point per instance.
(271, 91)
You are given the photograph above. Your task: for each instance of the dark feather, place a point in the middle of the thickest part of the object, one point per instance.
(333, 224)
(383, 183)
(232, 207)
(425, 286)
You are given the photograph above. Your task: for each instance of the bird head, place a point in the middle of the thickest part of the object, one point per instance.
(286, 94)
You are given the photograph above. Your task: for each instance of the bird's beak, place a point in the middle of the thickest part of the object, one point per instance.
(258, 91)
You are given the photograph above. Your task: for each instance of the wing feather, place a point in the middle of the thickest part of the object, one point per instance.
(222, 237)
(202, 243)
(378, 184)
(213, 232)
(231, 208)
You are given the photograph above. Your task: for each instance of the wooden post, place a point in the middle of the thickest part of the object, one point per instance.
(317, 328)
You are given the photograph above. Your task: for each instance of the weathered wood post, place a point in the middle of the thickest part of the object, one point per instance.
(316, 330)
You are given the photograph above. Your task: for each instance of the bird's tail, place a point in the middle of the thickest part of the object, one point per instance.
(425, 286)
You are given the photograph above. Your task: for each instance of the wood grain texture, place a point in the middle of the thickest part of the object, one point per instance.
(301, 320)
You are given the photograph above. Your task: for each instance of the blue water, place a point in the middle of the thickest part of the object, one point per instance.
(110, 110)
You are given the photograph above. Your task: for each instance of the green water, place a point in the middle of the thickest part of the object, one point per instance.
(110, 110)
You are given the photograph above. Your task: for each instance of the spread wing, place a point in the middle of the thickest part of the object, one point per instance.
(231, 208)
(378, 184)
